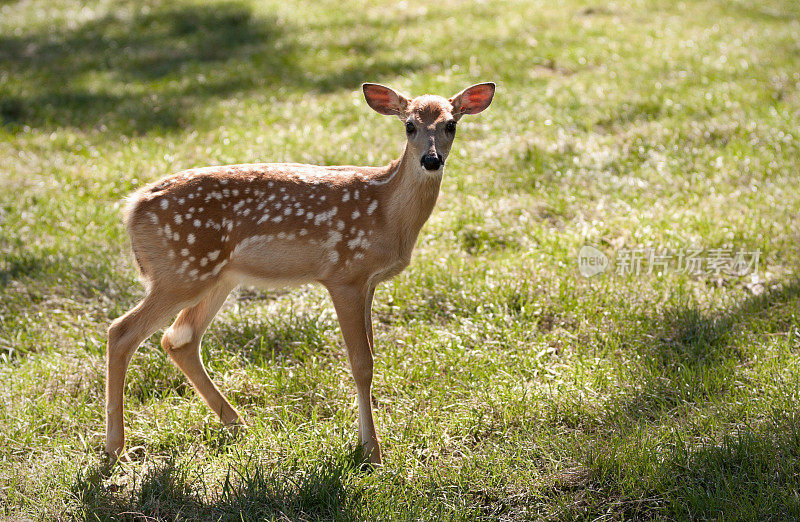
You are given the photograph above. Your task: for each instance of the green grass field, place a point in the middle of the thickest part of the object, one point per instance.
(507, 386)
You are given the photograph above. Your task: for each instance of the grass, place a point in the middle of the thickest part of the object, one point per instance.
(507, 385)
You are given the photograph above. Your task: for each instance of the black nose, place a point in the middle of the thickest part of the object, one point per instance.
(431, 161)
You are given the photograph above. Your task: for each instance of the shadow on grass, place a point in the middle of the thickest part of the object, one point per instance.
(752, 474)
(686, 357)
(28, 278)
(690, 356)
(150, 70)
(249, 490)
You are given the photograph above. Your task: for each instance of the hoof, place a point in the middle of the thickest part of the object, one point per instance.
(113, 458)
(114, 450)
(237, 428)
(369, 467)
(368, 457)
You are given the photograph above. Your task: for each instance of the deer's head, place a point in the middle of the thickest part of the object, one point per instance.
(430, 121)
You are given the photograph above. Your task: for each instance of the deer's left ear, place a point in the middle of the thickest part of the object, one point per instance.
(472, 100)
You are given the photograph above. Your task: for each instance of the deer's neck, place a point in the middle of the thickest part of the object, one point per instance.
(411, 195)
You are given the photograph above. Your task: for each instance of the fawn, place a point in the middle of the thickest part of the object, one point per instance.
(198, 234)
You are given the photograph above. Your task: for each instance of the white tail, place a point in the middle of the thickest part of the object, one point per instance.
(198, 234)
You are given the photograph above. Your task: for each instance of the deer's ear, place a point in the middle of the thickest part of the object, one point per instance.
(472, 100)
(384, 100)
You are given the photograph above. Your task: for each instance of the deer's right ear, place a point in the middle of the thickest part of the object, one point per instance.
(384, 100)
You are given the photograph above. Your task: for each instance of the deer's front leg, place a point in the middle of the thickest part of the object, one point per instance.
(350, 302)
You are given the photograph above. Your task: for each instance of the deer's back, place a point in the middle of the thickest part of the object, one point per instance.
(273, 223)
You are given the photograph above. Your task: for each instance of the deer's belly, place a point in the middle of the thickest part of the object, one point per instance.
(275, 263)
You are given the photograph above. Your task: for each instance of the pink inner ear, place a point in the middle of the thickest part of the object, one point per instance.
(380, 97)
(476, 99)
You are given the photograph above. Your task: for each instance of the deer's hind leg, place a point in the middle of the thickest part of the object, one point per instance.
(124, 336)
(182, 342)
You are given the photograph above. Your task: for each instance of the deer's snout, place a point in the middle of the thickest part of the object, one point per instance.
(432, 161)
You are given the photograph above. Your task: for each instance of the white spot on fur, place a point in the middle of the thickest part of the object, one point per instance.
(356, 214)
(190, 239)
(346, 196)
(164, 204)
(359, 241)
(325, 216)
(372, 207)
(196, 223)
(178, 219)
(219, 266)
(213, 255)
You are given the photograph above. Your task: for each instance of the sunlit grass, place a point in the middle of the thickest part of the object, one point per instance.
(507, 386)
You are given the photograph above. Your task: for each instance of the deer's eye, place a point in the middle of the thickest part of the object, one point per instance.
(410, 129)
(450, 127)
